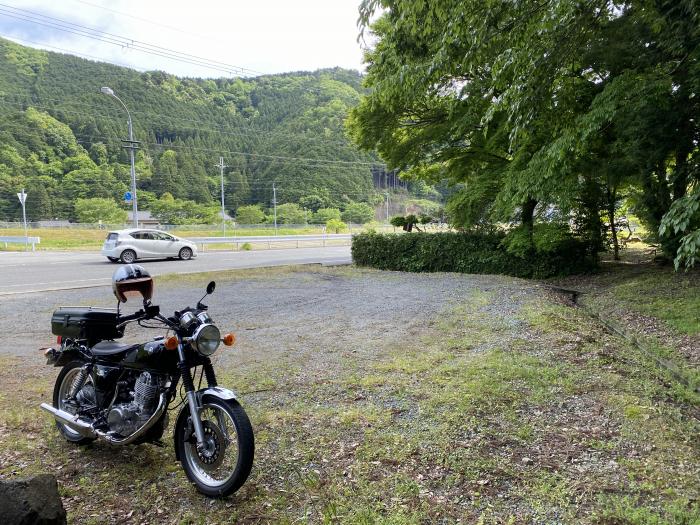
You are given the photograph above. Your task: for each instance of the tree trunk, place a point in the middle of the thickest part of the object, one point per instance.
(611, 194)
(528, 217)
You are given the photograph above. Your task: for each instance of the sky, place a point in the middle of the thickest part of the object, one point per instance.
(262, 36)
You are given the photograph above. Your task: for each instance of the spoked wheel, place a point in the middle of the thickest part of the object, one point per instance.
(61, 391)
(185, 254)
(222, 465)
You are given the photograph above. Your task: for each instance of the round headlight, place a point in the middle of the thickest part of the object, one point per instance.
(206, 339)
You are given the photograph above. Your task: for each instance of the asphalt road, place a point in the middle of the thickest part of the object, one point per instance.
(27, 272)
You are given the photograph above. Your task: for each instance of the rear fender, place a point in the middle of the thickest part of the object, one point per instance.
(62, 357)
(203, 395)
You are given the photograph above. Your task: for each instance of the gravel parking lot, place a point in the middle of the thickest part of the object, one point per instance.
(381, 397)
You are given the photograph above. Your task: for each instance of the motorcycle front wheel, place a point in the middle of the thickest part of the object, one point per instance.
(221, 466)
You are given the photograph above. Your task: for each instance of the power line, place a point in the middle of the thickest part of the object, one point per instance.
(148, 21)
(71, 52)
(121, 41)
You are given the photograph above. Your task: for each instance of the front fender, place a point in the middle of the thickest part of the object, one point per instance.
(216, 391)
(202, 395)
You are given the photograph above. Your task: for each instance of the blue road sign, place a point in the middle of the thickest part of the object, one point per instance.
(127, 196)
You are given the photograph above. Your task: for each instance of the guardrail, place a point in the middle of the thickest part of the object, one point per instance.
(21, 240)
(269, 239)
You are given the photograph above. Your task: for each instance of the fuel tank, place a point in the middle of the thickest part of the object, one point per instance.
(151, 355)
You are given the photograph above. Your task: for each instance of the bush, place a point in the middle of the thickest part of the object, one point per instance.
(336, 226)
(466, 253)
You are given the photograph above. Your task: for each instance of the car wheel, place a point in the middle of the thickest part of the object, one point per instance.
(185, 254)
(128, 256)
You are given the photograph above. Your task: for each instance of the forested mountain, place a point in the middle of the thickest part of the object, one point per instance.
(60, 138)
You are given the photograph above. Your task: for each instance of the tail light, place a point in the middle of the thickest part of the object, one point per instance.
(59, 339)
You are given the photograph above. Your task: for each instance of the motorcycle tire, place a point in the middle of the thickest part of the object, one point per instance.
(187, 452)
(63, 383)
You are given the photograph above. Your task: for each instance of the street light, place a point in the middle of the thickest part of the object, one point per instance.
(131, 146)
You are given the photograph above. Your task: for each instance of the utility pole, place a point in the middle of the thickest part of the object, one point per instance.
(22, 199)
(274, 204)
(221, 166)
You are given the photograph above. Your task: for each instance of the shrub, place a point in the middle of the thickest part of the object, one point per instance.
(336, 226)
(465, 253)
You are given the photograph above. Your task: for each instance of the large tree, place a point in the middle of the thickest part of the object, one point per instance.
(533, 103)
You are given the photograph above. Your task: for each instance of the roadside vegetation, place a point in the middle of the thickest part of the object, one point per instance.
(93, 238)
(508, 406)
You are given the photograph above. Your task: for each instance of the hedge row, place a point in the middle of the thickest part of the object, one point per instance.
(465, 253)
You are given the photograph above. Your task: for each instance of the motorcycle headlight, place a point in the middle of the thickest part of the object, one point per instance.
(206, 339)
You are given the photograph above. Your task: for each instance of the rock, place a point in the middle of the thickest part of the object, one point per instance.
(31, 501)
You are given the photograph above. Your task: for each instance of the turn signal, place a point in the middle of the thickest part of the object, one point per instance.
(171, 343)
(229, 339)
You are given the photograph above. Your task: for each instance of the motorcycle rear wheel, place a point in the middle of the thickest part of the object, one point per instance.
(64, 382)
(224, 465)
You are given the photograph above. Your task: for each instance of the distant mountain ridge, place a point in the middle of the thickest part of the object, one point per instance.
(60, 138)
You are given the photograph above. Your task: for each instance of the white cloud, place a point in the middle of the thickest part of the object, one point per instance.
(268, 36)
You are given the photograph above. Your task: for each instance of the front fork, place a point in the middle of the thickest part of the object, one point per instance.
(192, 400)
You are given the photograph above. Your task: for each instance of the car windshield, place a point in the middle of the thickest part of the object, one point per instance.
(112, 236)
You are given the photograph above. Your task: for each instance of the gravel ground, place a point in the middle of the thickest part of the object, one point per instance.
(282, 314)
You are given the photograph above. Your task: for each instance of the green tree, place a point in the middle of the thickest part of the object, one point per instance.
(290, 213)
(167, 177)
(358, 213)
(336, 226)
(94, 210)
(323, 215)
(169, 210)
(251, 214)
(498, 104)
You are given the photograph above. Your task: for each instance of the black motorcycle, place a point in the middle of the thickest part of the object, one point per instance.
(120, 393)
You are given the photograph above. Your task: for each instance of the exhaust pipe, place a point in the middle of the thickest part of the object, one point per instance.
(71, 421)
(117, 440)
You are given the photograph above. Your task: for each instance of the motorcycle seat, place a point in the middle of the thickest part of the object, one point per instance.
(111, 348)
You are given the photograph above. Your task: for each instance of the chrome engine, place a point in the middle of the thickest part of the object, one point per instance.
(127, 418)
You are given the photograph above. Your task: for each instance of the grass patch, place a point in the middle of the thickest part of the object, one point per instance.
(673, 298)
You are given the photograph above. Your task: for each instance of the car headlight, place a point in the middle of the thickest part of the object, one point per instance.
(206, 339)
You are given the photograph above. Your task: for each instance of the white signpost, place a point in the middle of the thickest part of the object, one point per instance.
(22, 199)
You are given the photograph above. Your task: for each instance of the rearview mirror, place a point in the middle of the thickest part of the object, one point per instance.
(211, 287)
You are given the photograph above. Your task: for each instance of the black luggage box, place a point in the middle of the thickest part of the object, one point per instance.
(86, 322)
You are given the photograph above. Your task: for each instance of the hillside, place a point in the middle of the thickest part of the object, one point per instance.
(60, 138)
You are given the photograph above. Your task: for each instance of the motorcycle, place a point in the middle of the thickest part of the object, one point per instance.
(121, 393)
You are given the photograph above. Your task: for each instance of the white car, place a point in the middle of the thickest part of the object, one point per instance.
(129, 245)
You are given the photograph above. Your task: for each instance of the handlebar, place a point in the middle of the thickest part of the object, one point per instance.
(136, 315)
(150, 312)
